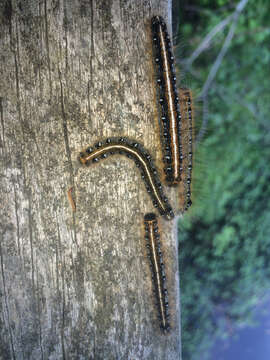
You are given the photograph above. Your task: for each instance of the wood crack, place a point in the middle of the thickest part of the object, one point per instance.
(6, 302)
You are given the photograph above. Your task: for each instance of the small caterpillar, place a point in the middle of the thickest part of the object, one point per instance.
(187, 146)
(142, 159)
(157, 266)
(169, 101)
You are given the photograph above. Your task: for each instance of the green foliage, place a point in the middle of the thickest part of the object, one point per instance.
(224, 243)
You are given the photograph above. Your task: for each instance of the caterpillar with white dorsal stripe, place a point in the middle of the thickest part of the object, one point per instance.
(169, 106)
(152, 238)
(135, 151)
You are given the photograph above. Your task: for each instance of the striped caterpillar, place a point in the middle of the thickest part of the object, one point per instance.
(142, 159)
(169, 102)
(157, 266)
(187, 142)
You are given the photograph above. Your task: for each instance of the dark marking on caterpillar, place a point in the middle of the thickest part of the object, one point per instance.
(152, 237)
(170, 122)
(185, 96)
(142, 159)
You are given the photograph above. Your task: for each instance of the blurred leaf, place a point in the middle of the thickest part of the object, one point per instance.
(224, 240)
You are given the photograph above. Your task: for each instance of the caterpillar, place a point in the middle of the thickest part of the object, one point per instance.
(170, 122)
(135, 151)
(185, 96)
(152, 237)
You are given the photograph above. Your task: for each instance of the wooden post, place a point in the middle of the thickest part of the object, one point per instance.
(77, 284)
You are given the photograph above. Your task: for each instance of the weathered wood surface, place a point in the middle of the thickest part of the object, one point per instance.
(77, 285)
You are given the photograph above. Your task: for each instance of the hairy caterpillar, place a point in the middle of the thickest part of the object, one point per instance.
(169, 102)
(185, 96)
(142, 159)
(157, 267)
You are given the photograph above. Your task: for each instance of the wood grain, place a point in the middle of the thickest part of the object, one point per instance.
(75, 285)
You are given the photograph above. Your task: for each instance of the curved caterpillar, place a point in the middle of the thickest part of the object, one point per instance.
(142, 159)
(157, 266)
(187, 141)
(168, 100)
